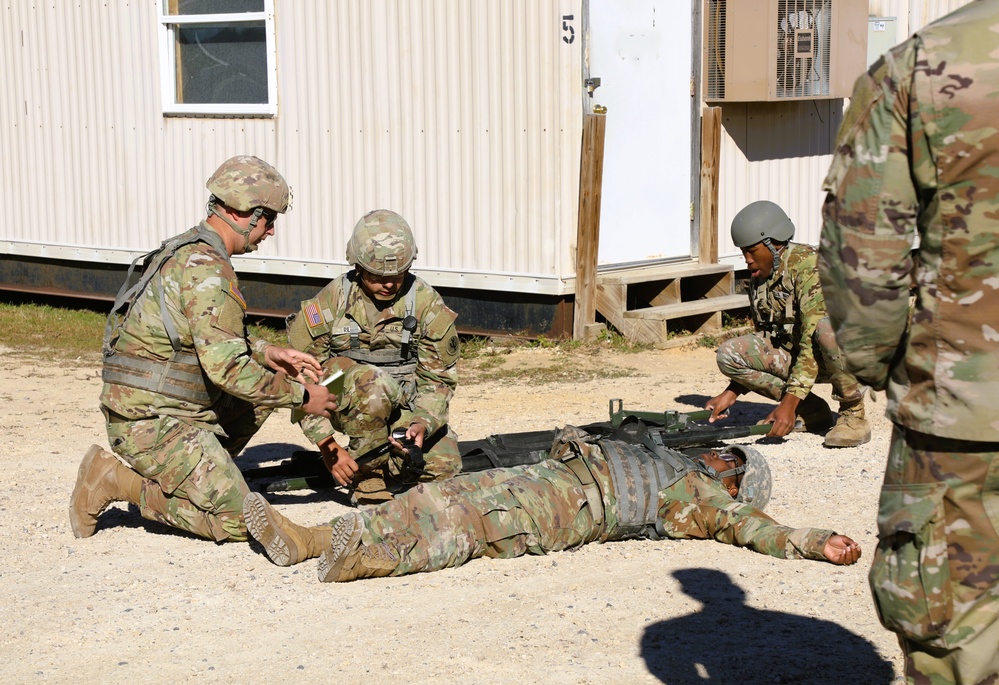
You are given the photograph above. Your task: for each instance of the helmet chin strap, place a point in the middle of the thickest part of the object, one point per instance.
(774, 251)
(247, 247)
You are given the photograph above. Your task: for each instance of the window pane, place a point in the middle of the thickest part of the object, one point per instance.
(222, 64)
(213, 6)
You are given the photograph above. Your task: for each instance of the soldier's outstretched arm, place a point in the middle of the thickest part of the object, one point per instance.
(301, 366)
(839, 549)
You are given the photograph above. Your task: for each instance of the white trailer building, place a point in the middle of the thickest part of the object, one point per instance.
(465, 116)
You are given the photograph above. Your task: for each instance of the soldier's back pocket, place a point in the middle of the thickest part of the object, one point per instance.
(910, 575)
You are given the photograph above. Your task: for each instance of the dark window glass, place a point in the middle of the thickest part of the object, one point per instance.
(222, 64)
(214, 6)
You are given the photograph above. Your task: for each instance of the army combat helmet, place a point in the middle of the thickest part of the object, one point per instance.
(761, 222)
(756, 483)
(382, 244)
(246, 183)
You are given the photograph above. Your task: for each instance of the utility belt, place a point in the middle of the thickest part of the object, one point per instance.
(583, 474)
(388, 360)
(179, 377)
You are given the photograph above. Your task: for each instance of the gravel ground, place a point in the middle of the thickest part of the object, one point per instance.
(139, 603)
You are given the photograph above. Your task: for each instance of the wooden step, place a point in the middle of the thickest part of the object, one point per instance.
(679, 310)
(661, 272)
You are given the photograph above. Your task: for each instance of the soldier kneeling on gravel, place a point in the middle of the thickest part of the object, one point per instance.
(589, 490)
(793, 346)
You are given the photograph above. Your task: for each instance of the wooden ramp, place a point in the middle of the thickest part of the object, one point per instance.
(649, 304)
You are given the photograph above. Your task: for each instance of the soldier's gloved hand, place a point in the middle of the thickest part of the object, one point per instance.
(319, 400)
(839, 549)
(338, 461)
(301, 366)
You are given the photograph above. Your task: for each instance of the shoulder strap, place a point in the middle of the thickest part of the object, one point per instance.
(152, 263)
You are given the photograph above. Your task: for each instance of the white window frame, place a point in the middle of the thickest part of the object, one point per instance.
(168, 62)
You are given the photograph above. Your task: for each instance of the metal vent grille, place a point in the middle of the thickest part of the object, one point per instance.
(715, 68)
(757, 50)
(803, 39)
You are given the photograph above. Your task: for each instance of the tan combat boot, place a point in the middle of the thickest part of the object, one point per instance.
(347, 559)
(814, 415)
(285, 542)
(101, 480)
(852, 428)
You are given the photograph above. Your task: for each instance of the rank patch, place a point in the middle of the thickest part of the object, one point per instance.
(234, 291)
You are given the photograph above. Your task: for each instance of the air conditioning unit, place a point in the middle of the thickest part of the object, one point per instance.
(771, 50)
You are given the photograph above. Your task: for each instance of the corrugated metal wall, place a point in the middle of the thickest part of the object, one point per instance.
(464, 116)
(781, 152)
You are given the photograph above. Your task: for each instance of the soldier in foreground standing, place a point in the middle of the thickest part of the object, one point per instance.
(395, 340)
(918, 157)
(793, 345)
(589, 490)
(185, 386)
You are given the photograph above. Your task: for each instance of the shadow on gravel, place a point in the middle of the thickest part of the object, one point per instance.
(729, 642)
(742, 413)
(253, 457)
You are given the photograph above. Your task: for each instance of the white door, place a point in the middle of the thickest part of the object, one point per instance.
(640, 51)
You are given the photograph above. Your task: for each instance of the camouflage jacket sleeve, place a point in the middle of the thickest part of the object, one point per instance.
(316, 428)
(258, 349)
(697, 507)
(809, 309)
(437, 364)
(213, 308)
(869, 218)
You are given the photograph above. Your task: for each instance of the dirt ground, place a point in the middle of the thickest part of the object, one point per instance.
(139, 603)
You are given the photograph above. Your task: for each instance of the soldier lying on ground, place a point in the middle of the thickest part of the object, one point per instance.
(589, 490)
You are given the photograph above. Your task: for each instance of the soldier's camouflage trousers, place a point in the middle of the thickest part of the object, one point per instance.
(373, 403)
(755, 363)
(189, 478)
(935, 574)
(501, 513)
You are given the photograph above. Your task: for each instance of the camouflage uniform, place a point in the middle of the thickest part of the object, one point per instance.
(918, 156)
(787, 310)
(556, 505)
(183, 447)
(376, 398)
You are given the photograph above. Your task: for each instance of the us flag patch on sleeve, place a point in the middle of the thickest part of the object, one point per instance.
(313, 316)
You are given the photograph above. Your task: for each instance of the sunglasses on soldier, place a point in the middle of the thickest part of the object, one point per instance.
(270, 215)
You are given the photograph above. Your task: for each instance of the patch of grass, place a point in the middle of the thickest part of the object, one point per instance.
(275, 336)
(52, 331)
(611, 339)
(68, 334)
(563, 371)
(730, 320)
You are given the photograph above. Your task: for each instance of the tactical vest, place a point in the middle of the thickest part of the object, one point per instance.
(637, 474)
(179, 377)
(399, 363)
(768, 302)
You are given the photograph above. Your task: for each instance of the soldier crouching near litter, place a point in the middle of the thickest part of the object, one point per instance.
(185, 385)
(395, 339)
(589, 490)
(793, 346)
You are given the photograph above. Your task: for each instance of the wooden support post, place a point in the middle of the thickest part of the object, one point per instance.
(710, 156)
(591, 171)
